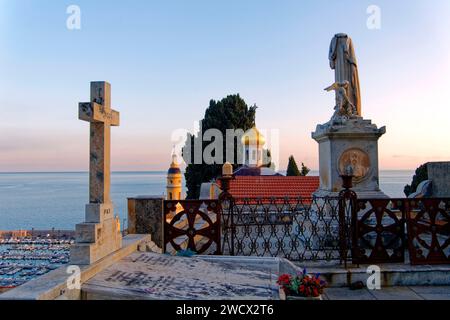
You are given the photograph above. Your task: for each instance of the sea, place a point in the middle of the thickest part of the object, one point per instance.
(46, 200)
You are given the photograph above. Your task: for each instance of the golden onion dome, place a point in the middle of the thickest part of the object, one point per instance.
(253, 137)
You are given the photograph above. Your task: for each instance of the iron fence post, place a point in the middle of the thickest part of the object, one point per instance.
(225, 195)
(344, 231)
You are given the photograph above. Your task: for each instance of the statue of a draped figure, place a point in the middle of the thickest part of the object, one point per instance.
(343, 62)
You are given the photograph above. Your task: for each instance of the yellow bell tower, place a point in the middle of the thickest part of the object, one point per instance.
(174, 180)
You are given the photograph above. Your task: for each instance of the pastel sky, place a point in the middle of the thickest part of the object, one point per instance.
(166, 59)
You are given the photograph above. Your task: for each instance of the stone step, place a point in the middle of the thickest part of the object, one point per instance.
(390, 274)
(149, 246)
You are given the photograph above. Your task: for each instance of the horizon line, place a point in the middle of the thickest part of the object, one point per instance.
(150, 171)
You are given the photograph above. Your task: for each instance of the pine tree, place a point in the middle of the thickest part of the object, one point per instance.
(305, 170)
(229, 113)
(292, 169)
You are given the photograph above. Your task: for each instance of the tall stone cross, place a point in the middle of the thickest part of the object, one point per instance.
(99, 235)
(101, 117)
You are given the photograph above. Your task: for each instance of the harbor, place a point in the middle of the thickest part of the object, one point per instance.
(25, 258)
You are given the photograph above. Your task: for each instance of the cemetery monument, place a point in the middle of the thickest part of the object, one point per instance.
(348, 143)
(100, 234)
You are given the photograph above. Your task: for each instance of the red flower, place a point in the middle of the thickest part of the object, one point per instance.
(307, 291)
(284, 280)
(305, 285)
(315, 292)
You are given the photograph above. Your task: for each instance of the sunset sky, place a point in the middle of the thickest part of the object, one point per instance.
(166, 59)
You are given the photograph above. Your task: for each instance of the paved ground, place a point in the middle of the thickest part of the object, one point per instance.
(390, 293)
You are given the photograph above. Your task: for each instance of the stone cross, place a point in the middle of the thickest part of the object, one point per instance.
(101, 117)
(99, 235)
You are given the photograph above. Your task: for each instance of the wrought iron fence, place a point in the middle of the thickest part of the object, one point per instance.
(379, 231)
(193, 225)
(298, 229)
(343, 228)
(383, 229)
(429, 231)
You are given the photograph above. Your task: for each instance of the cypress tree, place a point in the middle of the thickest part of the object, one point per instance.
(292, 169)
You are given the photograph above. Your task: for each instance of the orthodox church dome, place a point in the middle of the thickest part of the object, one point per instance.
(253, 137)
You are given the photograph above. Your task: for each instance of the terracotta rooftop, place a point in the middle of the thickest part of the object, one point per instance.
(273, 186)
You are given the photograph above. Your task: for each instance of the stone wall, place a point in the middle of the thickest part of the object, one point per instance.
(439, 174)
(145, 217)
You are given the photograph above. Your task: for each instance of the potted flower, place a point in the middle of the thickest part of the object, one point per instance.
(303, 286)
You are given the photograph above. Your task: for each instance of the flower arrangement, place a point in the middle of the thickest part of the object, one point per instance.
(302, 285)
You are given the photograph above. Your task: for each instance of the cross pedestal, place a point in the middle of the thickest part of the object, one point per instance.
(100, 234)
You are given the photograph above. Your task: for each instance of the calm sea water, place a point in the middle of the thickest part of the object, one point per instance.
(46, 200)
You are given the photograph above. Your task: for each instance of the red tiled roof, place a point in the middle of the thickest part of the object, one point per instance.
(273, 186)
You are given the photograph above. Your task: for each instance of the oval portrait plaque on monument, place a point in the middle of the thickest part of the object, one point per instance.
(358, 160)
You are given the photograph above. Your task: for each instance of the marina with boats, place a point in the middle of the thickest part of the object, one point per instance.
(22, 259)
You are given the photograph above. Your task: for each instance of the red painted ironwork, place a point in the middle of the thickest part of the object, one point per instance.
(347, 205)
(367, 231)
(429, 231)
(193, 225)
(228, 228)
(378, 231)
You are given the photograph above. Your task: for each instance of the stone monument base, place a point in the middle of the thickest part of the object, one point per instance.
(349, 144)
(98, 237)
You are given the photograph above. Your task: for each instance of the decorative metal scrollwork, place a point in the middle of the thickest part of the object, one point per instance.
(193, 225)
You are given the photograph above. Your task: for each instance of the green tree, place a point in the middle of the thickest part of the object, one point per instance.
(292, 168)
(266, 159)
(421, 174)
(305, 170)
(293, 171)
(229, 113)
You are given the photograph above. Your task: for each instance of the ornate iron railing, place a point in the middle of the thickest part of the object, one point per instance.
(343, 228)
(193, 225)
(298, 229)
(384, 228)
(364, 230)
(429, 231)
(378, 231)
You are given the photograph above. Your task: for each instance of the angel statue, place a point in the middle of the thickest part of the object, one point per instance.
(343, 61)
(344, 107)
